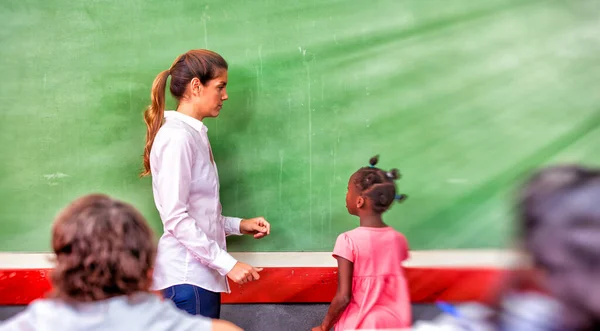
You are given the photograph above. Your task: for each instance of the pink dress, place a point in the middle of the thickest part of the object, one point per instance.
(380, 298)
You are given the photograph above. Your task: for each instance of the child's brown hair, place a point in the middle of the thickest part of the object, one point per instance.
(104, 248)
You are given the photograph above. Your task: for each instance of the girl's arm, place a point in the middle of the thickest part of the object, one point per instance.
(342, 297)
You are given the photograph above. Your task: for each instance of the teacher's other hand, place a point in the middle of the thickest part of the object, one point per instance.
(258, 227)
(243, 273)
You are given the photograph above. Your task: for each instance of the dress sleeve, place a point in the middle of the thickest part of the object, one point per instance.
(344, 248)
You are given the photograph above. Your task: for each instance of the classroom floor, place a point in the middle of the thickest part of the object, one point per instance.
(263, 317)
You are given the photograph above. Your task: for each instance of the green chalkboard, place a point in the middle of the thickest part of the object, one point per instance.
(463, 96)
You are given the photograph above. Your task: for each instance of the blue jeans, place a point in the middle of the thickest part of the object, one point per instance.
(195, 300)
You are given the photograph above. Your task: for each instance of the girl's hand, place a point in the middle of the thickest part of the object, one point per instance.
(258, 226)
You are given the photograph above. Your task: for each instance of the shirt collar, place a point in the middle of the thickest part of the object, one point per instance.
(194, 123)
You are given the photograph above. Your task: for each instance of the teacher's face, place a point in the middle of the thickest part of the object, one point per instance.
(212, 95)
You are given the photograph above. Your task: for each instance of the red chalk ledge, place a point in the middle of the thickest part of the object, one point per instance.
(455, 276)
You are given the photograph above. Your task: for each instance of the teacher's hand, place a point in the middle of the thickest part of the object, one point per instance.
(243, 273)
(258, 226)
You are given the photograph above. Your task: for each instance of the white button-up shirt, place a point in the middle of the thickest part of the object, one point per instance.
(185, 184)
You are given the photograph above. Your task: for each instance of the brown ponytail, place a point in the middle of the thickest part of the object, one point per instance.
(153, 116)
(198, 63)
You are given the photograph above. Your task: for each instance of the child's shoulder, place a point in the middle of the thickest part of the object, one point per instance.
(362, 232)
(400, 234)
(351, 234)
(344, 235)
(347, 238)
(397, 233)
(384, 230)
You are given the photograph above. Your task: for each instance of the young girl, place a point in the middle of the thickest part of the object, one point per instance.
(104, 253)
(372, 291)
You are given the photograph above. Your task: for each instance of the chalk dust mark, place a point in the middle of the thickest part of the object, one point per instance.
(258, 77)
(280, 175)
(53, 178)
(330, 207)
(310, 179)
(260, 58)
(335, 157)
(205, 18)
(56, 175)
(130, 95)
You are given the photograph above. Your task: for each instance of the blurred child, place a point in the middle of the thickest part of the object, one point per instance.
(104, 258)
(559, 224)
(560, 220)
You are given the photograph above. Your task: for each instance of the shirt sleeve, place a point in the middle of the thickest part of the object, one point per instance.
(232, 225)
(176, 157)
(344, 248)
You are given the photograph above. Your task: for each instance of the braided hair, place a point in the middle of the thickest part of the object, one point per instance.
(378, 185)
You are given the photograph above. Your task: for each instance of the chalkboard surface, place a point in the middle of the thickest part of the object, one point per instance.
(464, 97)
